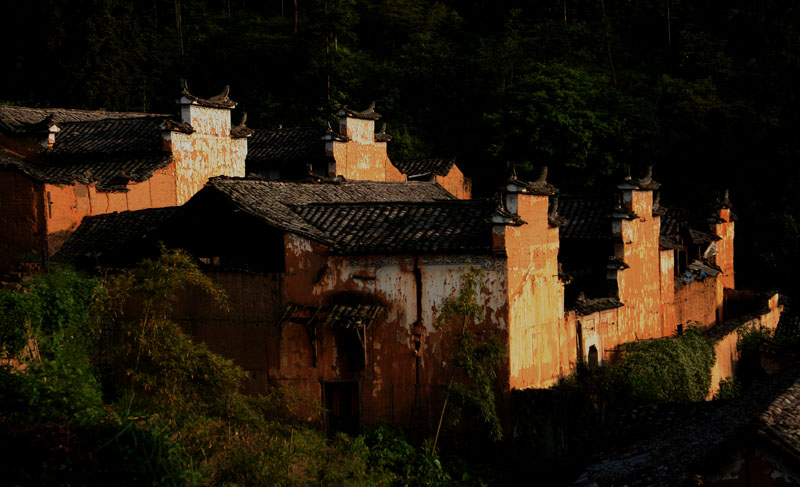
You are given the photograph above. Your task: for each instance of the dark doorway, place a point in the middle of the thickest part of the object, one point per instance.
(342, 407)
(594, 359)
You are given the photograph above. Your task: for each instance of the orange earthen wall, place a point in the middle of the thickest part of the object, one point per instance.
(639, 285)
(541, 343)
(209, 151)
(727, 355)
(724, 257)
(699, 301)
(389, 386)
(361, 157)
(598, 329)
(21, 218)
(456, 183)
(66, 205)
(667, 317)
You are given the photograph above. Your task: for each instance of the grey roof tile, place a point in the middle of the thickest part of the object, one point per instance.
(14, 119)
(422, 227)
(270, 148)
(425, 167)
(98, 233)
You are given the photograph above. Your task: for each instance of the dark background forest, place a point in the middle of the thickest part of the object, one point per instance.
(595, 89)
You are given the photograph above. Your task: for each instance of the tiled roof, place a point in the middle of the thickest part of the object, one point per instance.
(780, 423)
(275, 147)
(443, 226)
(675, 454)
(424, 167)
(586, 307)
(270, 201)
(109, 172)
(112, 136)
(98, 233)
(110, 152)
(19, 119)
(586, 219)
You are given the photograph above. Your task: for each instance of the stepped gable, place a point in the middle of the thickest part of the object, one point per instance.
(19, 120)
(98, 233)
(425, 167)
(422, 227)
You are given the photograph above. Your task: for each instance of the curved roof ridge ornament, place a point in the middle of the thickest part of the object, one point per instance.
(220, 100)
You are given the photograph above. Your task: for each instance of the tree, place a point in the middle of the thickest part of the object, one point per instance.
(474, 357)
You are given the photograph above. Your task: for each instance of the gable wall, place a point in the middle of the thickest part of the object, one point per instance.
(542, 343)
(724, 257)
(209, 151)
(456, 183)
(639, 285)
(361, 157)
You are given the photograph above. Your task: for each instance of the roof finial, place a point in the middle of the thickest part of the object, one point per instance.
(383, 128)
(184, 86)
(726, 200)
(648, 176)
(223, 94)
(542, 175)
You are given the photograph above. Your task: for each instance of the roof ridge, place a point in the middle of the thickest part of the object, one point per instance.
(448, 202)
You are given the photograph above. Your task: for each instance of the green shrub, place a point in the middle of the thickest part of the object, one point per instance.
(729, 388)
(674, 369)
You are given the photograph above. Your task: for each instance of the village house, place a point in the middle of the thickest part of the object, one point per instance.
(58, 166)
(337, 274)
(336, 284)
(355, 151)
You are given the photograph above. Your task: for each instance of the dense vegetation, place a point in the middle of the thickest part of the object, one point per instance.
(703, 90)
(564, 427)
(106, 390)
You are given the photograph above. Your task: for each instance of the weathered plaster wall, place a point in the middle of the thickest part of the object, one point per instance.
(66, 205)
(22, 216)
(639, 285)
(209, 151)
(599, 329)
(668, 319)
(699, 301)
(541, 343)
(725, 340)
(361, 157)
(724, 257)
(406, 358)
(456, 183)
